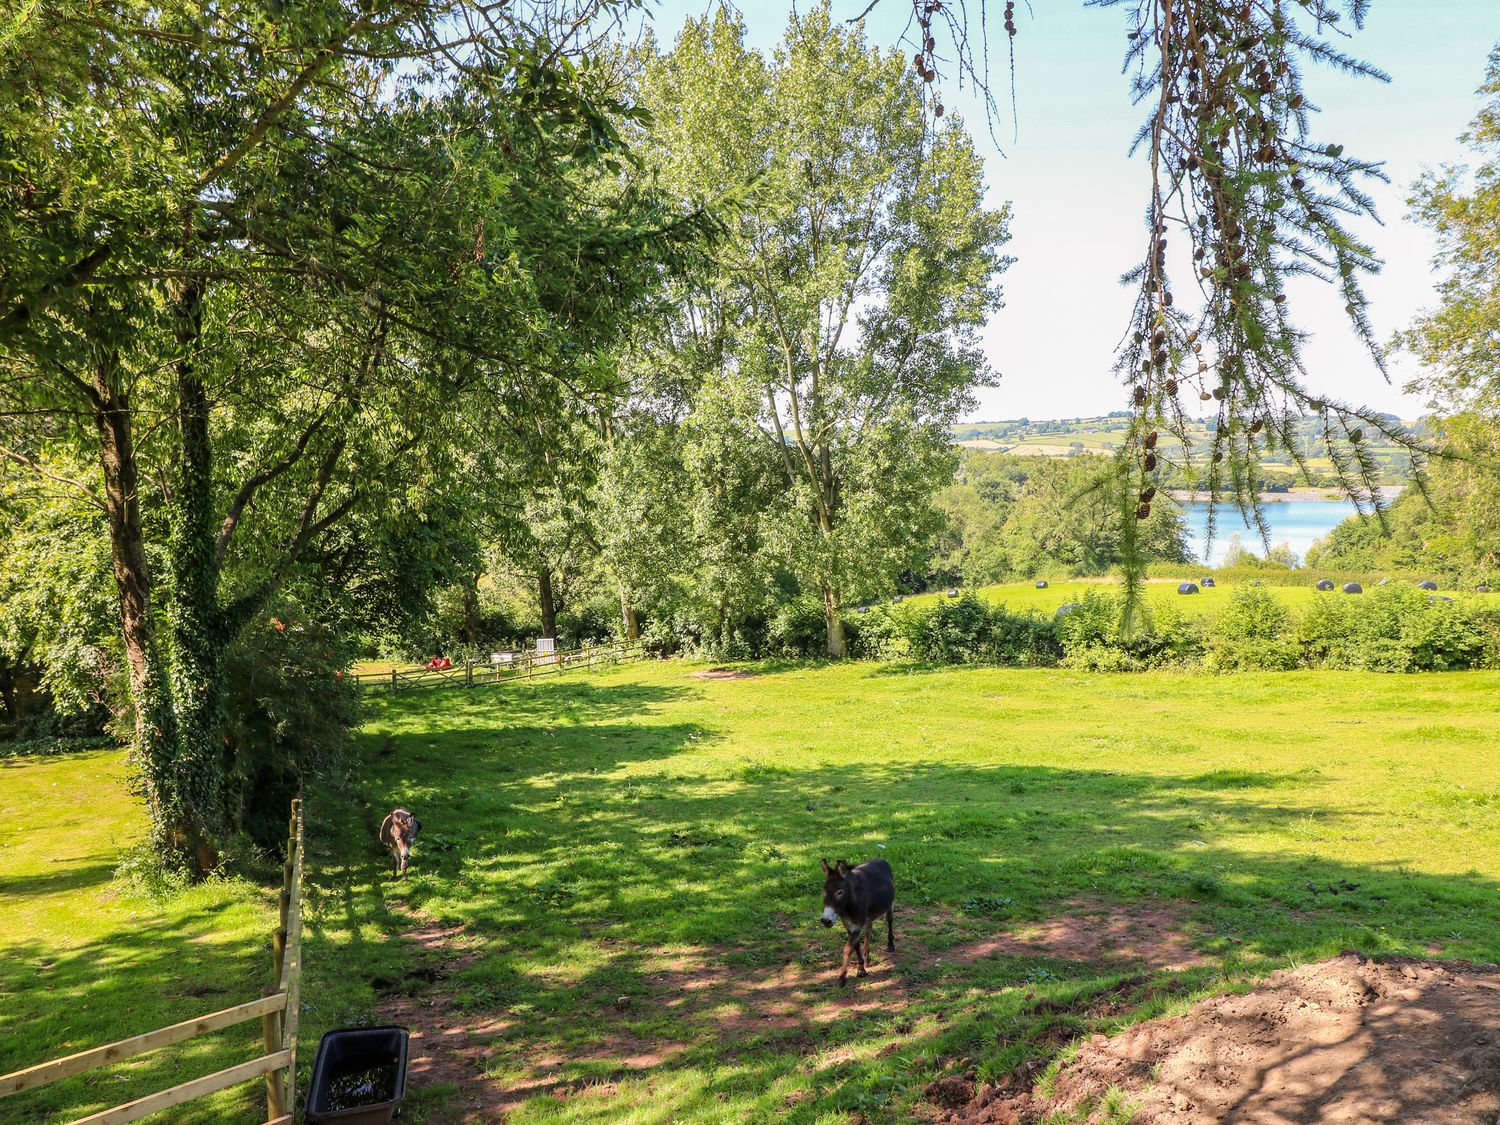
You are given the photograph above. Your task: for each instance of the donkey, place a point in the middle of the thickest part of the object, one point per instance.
(397, 831)
(858, 896)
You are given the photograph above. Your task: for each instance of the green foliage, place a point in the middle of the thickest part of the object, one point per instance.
(290, 704)
(276, 265)
(1457, 342)
(1395, 628)
(836, 335)
(1095, 636)
(966, 630)
(797, 628)
(1255, 632)
(1012, 517)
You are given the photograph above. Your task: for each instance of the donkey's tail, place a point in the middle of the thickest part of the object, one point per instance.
(890, 930)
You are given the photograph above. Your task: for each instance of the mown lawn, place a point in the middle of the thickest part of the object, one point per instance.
(631, 862)
(86, 958)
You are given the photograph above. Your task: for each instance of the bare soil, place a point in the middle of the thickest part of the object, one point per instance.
(1094, 929)
(721, 674)
(1348, 1040)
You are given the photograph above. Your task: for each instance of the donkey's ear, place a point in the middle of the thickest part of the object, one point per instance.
(826, 868)
(843, 867)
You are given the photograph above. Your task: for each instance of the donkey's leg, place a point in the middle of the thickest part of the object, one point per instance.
(869, 927)
(890, 930)
(844, 972)
(861, 944)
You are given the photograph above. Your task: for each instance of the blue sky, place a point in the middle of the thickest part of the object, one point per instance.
(1078, 199)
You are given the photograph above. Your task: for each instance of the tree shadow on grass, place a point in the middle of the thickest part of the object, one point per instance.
(155, 972)
(80, 872)
(610, 907)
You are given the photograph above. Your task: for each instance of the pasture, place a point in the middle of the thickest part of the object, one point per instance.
(612, 910)
(612, 913)
(89, 955)
(1160, 592)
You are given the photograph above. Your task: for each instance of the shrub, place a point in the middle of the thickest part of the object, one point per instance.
(1255, 631)
(289, 708)
(967, 630)
(952, 632)
(1094, 637)
(1395, 628)
(797, 628)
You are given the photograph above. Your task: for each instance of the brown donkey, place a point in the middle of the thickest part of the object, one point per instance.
(397, 831)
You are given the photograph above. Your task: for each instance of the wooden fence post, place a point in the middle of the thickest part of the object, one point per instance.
(468, 673)
(393, 681)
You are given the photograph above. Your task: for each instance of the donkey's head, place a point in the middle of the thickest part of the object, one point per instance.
(834, 892)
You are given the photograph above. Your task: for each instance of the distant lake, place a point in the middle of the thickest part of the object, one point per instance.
(1298, 522)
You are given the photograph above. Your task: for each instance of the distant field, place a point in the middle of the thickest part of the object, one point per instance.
(1059, 438)
(1159, 591)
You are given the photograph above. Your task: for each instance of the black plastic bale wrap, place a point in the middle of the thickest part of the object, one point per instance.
(359, 1076)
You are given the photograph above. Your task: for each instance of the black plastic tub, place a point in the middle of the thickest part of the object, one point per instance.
(359, 1076)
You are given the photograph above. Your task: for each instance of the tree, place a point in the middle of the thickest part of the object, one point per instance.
(260, 262)
(1450, 524)
(851, 285)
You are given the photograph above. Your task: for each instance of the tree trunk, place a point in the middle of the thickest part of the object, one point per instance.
(547, 602)
(628, 617)
(196, 623)
(155, 723)
(834, 622)
(8, 674)
(471, 610)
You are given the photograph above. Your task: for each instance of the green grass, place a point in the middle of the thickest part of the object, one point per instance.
(1210, 600)
(1022, 596)
(590, 834)
(86, 959)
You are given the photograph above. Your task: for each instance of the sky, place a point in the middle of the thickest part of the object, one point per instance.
(1078, 199)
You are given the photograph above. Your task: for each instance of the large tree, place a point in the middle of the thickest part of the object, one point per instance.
(859, 266)
(258, 259)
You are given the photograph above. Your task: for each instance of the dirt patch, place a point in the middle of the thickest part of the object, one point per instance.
(792, 997)
(1348, 1040)
(1092, 929)
(720, 674)
(716, 1001)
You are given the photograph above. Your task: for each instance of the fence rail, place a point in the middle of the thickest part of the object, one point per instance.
(517, 666)
(277, 1010)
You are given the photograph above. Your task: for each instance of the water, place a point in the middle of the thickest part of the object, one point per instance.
(1300, 523)
(359, 1082)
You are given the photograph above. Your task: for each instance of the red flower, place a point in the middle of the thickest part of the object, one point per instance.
(276, 624)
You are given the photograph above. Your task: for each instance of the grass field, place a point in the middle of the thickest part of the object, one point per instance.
(1023, 596)
(617, 884)
(1208, 601)
(86, 958)
(614, 900)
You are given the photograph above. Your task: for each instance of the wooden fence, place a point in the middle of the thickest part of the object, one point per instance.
(517, 666)
(277, 1010)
